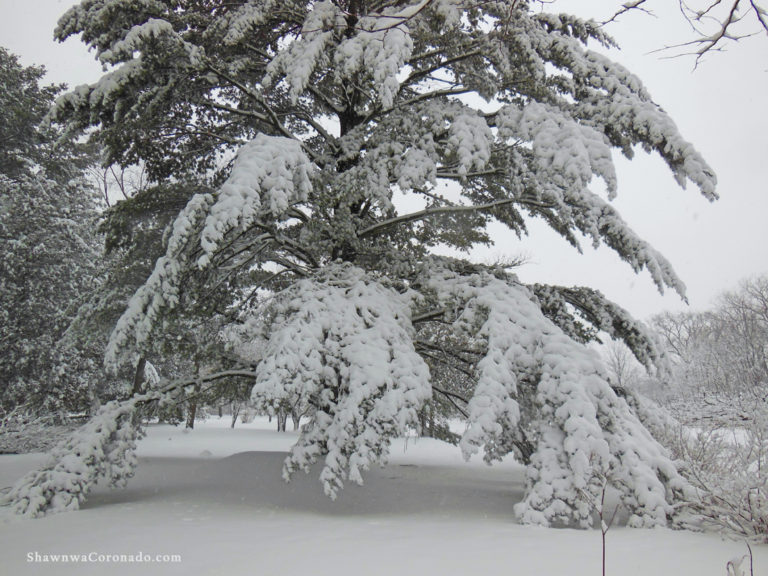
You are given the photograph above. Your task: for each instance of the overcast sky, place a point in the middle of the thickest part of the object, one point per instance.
(720, 107)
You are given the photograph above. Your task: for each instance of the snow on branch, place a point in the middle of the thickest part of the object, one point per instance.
(471, 138)
(381, 47)
(135, 40)
(342, 343)
(270, 174)
(648, 124)
(626, 7)
(240, 21)
(600, 220)
(302, 56)
(614, 101)
(427, 213)
(714, 23)
(162, 289)
(572, 152)
(102, 448)
(134, 30)
(558, 165)
(726, 24)
(101, 93)
(583, 431)
(603, 315)
(126, 49)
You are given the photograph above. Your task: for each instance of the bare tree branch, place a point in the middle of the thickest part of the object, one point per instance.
(626, 7)
(725, 16)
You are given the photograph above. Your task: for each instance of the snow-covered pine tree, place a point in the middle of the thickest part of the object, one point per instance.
(48, 251)
(366, 134)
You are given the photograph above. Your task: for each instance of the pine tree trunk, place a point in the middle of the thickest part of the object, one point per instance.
(138, 377)
(192, 408)
(191, 413)
(282, 419)
(426, 421)
(138, 386)
(235, 412)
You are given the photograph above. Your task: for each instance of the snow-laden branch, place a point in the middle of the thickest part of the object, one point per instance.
(104, 447)
(342, 343)
(584, 431)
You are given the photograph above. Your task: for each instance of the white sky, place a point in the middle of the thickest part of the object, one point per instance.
(719, 107)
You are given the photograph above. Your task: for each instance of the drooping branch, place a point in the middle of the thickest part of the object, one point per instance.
(443, 361)
(202, 379)
(452, 397)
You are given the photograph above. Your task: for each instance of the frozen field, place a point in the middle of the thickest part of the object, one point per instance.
(215, 497)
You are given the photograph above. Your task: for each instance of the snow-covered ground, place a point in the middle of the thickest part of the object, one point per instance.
(215, 497)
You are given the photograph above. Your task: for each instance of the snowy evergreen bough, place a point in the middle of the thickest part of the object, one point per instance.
(102, 448)
(366, 138)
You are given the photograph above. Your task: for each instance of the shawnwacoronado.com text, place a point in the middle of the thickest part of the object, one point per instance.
(98, 557)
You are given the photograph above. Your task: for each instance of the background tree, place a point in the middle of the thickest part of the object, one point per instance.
(48, 251)
(134, 230)
(719, 389)
(720, 356)
(471, 112)
(622, 365)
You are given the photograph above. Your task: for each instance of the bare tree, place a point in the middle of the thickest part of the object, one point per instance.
(720, 357)
(720, 360)
(118, 183)
(714, 23)
(623, 367)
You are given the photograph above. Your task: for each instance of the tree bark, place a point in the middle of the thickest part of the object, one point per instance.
(282, 419)
(138, 377)
(192, 408)
(235, 412)
(296, 418)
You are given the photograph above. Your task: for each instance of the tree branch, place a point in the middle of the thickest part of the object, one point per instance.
(626, 7)
(451, 396)
(272, 116)
(427, 316)
(429, 212)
